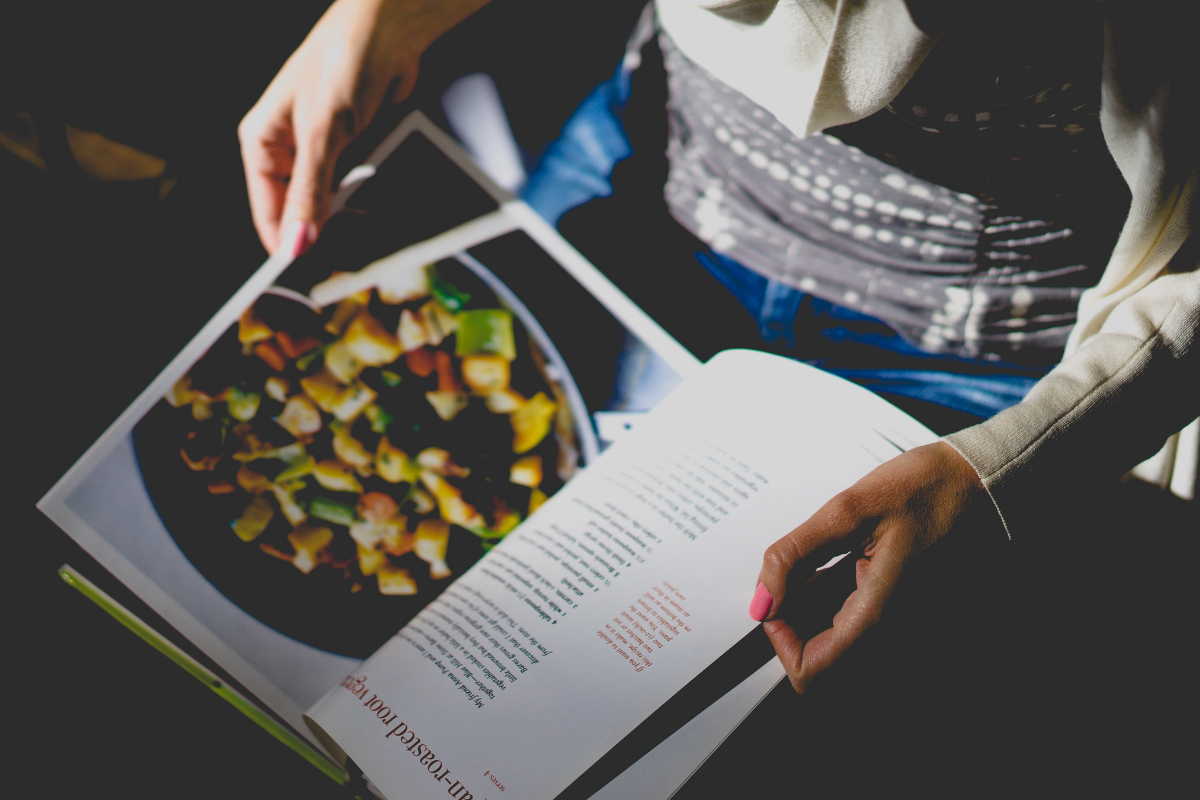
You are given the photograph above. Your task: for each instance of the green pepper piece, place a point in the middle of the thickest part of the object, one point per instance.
(390, 378)
(485, 331)
(379, 418)
(297, 468)
(447, 293)
(242, 405)
(332, 511)
(307, 359)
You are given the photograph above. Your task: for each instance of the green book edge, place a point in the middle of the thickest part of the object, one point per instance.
(200, 673)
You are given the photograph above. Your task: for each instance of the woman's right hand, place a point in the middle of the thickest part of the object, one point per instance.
(360, 54)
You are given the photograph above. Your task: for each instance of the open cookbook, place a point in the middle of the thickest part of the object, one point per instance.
(457, 515)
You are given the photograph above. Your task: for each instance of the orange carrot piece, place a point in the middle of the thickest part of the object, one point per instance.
(270, 354)
(419, 362)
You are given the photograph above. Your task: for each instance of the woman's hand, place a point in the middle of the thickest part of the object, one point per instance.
(886, 519)
(360, 54)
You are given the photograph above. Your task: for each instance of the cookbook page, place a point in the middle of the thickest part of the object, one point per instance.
(620, 591)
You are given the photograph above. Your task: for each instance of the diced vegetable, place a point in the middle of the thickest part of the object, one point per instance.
(504, 401)
(242, 405)
(397, 286)
(221, 487)
(531, 422)
(536, 498)
(201, 406)
(526, 471)
(377, 507)
(396, 581)
(308, 541)
(254, 520)
(342, 363)
(346, 310)
(429, 544)
(294, 348)
(445, 292)
(422, 502)
(397, 540)
(351, 450)
(447, 381)
(299, 417)
(181, 393)
(390, 378)
(438, 460)
(322, 388)
(271, 355)
(453, 508)
(370, 560)
(378, 418)
(411, 333)
(447, 404)
(296, 468)
(419, 362)
(332, 511)
(287, 503)
(369, 342)
(336, 476)
(485, 331)
(253, 482)
(393, 464)
(286, 454)
(439, 323)
(252, 330)
(506, 521)
(277, 388)
(205, 464)
(352, 401)
(486, 374)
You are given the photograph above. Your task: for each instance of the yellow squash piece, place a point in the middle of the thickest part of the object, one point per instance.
(486, 374)
(453, 508)
(353, 401)
(323, 389)
(399, 285)
(432, 537)
(422, 502)
(308, 541)
(346, 311)
(438, 460)
(526, 471)
(531, 422)
(396, 581)
(253, 482)
(287, 503)
(181, 393)
(437, 321)
(336, 476)
(252, 330)
(412, 333)
(370, 560)
(342, 363)
(299, 417)
(369, 342)
(277, 388)
(447, 404)
(504, 401)
(351, 450)
(536, 499)
(393, 464)
(254, 520)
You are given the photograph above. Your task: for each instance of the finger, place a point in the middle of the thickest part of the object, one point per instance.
(267, 158)
(310, 186)
(834, 529)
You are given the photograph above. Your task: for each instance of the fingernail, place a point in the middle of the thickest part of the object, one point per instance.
(761, 603)
(297, 237)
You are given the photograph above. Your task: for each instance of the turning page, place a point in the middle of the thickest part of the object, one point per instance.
(618, 592)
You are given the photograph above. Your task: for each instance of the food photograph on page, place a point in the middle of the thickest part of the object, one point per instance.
(329, 470)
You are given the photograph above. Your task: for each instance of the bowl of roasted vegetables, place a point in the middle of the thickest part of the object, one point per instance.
(331, 471)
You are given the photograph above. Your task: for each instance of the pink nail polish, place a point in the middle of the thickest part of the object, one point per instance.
(761, 604)
(304, 238)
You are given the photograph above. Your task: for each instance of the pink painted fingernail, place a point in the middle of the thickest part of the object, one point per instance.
(298, 237)
(761, 603)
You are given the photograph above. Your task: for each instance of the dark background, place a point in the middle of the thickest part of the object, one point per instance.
(1058, 669)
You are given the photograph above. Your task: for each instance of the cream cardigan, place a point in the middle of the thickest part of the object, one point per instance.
(1129, 379)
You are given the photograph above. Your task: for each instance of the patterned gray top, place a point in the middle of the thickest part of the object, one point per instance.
(970, 226)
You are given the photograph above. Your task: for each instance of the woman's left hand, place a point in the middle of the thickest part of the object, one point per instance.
(887, 519)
